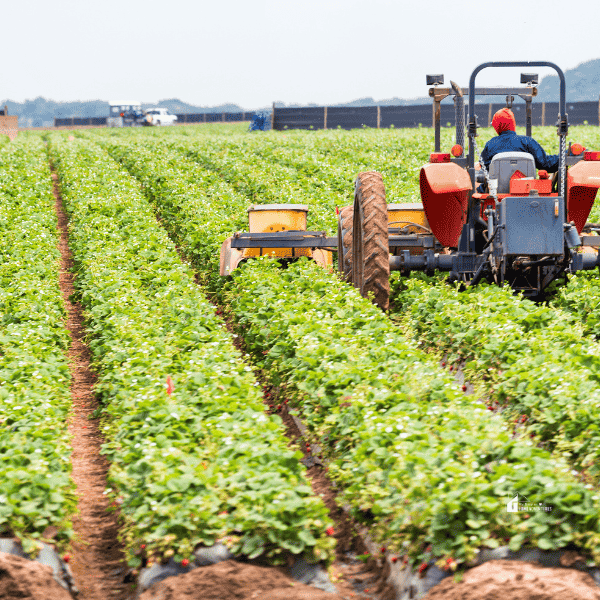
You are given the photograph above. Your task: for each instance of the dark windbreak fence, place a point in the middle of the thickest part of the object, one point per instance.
(309, 117)
(79, 121)
(413, 116)
(346, 117)
(185, 118)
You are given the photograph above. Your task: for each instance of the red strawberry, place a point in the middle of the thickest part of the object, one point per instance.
(185, 562)
(394, 559)
(330, 530)
(464, 388)
(443, 363)
(143, 546)
(170, 386)
(382, 550)
(67, 558)
(422, 567)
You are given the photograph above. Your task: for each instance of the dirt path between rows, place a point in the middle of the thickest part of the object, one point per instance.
(97, 558)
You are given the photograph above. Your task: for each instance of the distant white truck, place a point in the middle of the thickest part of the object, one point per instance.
(160, 116)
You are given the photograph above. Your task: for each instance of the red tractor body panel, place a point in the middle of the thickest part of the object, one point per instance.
(444, 192)
(522, 187)
(583, 181)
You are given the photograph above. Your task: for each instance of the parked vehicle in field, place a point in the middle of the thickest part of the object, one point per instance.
(160, 116)
(125, 114)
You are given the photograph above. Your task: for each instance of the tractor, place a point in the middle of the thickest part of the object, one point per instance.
(525, 232)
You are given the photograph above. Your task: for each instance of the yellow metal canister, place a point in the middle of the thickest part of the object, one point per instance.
(269, 218)
(408, 215)
(411, 218)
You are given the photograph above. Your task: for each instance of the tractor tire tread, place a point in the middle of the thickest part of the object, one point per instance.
(371, 209)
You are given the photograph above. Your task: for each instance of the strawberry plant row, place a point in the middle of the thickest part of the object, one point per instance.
(420, 461)
(194, 458)
(581, 297)
(36, 491)
(207, 209)
(423, 464)
(263, 181)
(532, 359)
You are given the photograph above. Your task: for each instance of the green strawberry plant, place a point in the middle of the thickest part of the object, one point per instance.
(404, 443)
(422, 463)
(36, 490)
(532, 359)
(194, 458)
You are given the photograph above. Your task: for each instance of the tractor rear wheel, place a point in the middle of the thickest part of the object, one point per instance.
(345, 223)
(370, 239)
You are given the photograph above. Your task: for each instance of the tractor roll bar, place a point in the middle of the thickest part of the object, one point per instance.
(473, 206)
(562, 107)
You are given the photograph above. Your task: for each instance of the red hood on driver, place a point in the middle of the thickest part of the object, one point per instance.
(504, 120)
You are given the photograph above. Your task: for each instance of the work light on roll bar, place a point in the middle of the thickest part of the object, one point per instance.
(529, 78)
(435, 79)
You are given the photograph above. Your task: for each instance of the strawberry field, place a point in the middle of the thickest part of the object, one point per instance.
(195, 371)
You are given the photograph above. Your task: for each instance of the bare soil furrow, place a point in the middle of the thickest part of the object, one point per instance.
(97, 559)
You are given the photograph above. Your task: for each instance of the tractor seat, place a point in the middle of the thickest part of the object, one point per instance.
(505, 164)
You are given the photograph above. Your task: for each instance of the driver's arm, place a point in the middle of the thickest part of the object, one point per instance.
(548, 162)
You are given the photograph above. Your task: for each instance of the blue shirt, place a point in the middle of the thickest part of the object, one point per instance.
(509, 141)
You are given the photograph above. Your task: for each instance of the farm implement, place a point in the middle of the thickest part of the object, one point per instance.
(523, 231)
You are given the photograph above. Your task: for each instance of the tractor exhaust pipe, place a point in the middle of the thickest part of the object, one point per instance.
(459, 111)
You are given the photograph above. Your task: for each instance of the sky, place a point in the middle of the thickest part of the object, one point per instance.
(252, 53)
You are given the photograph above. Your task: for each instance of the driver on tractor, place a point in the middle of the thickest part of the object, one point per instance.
(508, 141)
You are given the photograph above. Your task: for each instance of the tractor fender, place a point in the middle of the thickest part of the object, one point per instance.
(444, 192)
(230, 258)
(583, 181)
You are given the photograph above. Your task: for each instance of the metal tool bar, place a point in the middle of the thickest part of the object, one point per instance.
(280, 234)
(284, 242)
(426, 241)
(441, 93)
